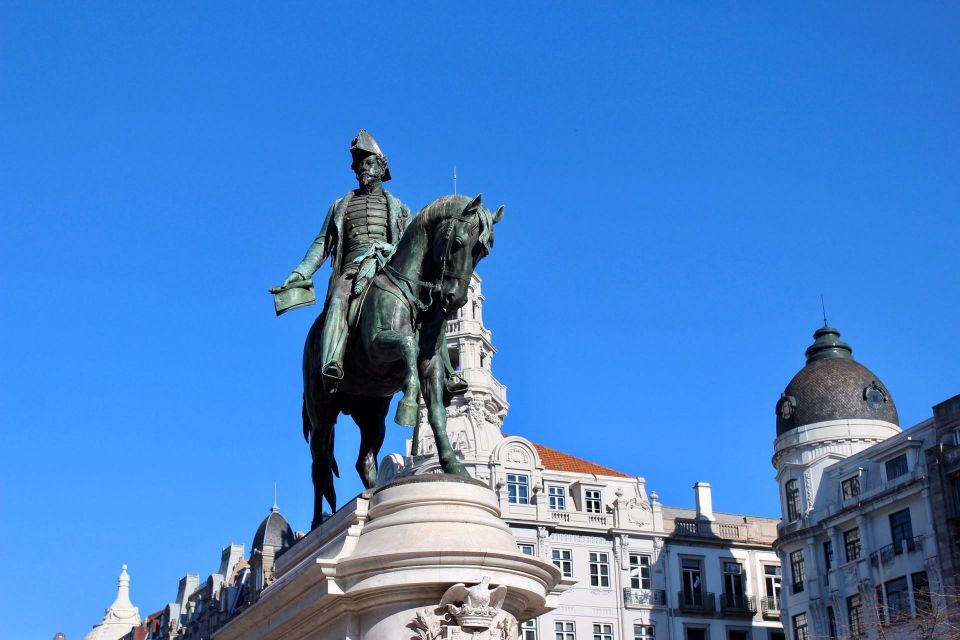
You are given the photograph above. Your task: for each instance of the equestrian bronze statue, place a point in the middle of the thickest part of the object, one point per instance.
(394, 295)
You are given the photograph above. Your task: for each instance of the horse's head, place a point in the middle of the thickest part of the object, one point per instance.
(465, 238)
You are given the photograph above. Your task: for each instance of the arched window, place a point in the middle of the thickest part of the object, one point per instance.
(792, 489)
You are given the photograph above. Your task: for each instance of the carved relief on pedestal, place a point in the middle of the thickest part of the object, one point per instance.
(473, 613)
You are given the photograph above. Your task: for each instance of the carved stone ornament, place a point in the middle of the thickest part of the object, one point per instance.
(473, 612)
(639, 512)
(517, 456)
(874, 395)
(786, 406)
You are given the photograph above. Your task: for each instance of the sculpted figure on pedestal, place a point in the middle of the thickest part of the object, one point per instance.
(395, 282)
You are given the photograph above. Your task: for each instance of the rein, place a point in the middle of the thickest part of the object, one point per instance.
(402, 281)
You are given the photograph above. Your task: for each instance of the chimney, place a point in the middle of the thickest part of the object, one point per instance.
(704, 501)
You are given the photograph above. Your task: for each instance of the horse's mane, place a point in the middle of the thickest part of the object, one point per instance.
(448, 206)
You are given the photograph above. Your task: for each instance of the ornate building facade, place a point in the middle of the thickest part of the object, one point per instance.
(857, 540)
(636, 569)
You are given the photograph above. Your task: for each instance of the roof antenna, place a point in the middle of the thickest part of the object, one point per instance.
(824, 309)
(275, 508)
(454, 179)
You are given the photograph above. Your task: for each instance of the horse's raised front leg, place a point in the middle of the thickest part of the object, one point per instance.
(395, 346)
(370, 414)
(432, 379)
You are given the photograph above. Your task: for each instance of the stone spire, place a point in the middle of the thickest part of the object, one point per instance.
(120, 617)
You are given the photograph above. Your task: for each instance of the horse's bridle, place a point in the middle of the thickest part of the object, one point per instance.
(397, 278)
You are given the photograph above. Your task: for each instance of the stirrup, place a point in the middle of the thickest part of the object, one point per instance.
(455, 384)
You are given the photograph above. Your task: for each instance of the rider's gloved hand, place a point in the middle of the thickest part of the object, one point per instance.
(293, 277)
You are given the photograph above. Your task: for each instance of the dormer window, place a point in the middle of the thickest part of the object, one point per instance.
(592, 501)
(850, 487)
(557, 495)
(518, 488)
(896, 467)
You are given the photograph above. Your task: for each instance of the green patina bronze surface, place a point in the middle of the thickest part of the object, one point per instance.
(383, 327)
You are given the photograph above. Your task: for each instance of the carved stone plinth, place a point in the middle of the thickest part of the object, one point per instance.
(412, 559)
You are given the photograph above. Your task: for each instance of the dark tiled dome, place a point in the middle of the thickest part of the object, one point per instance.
(833, 386)
(274, 532)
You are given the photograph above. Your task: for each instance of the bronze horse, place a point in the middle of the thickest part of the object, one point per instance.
(398, 343)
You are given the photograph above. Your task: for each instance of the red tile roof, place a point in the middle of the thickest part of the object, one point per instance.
(560, 461)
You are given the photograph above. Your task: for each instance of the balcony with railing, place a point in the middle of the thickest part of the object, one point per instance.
(739, 605)
(603, 520)
(751, 531)
(696, 601)
(633, 598)
(770, 607)
(889, 552)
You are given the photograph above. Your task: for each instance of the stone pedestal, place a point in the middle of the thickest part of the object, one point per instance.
(380, 567)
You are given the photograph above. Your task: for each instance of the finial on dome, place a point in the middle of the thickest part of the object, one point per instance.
(275, 508)
(827, 344)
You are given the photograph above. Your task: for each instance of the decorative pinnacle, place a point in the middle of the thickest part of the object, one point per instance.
(275, 508)
(827, 344)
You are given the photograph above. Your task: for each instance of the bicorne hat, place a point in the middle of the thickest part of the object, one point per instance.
(364, 145)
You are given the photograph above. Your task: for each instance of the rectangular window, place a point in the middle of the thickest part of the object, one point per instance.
(592, 502)
(696, 633)
(831, 623)
(563, 560)
(797, 571)
(525, 548)
(557, 496)
(771, 586)
(898, 600)
(564, 630)
(850, 487)
(901, 531)
(528, 630)
(851, 544)
(518, 488)
(733, 591)
(896, 467)
(800, 631)
(792, 490)
(644, 632)
(599, 569)
(855, 615)
(956, 436)
(602, 631)
(692, 579)
(639, 571)
(738, 634)
(921, 592)
(828, 554)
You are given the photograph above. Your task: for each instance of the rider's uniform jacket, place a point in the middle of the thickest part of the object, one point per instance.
(352, 224)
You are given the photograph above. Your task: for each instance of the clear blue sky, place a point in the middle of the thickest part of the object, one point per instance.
(682, 181)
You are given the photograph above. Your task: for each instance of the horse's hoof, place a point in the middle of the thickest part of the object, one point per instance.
(407, 414)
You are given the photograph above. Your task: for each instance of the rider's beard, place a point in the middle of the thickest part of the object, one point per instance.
(368, 180)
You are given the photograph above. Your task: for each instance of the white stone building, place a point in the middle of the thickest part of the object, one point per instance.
(641, 569)
(856, 539)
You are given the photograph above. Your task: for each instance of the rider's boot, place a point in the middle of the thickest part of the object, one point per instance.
(333, 343)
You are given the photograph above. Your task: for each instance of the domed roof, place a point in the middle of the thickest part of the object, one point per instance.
(274, 532)
(833, 386)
